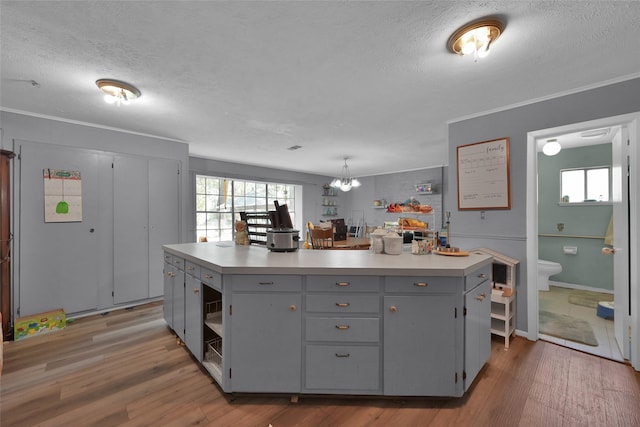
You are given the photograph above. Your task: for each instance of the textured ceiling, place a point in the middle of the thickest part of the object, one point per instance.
(243, 81)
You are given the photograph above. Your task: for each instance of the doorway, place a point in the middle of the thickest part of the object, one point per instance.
(5, 240)
(624, 159)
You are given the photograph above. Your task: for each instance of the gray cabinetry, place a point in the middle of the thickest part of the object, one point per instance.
(477, 325)
(178, 296)
(146, 216)
(420, 329)
(193, 310)
(170, 272)
(266, 325)
(342, 351)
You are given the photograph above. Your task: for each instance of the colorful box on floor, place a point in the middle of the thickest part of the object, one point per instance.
(39, 324)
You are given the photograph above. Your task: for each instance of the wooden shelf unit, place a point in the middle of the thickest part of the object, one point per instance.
(503, 295)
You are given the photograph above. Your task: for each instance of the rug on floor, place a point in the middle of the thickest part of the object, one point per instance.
(588, 298)
(567, 327)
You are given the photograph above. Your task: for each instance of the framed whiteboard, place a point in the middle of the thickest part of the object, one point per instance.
(483, 175)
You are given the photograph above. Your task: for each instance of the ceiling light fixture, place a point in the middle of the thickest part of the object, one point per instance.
(345, 182)
(475, 37)
(552, 147)
(117, 92)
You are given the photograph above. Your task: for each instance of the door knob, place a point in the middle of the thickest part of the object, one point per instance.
(393, 309)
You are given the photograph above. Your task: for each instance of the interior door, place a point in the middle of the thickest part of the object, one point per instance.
(164, 216)
(58, 262)
(130, 229)
(621, 277)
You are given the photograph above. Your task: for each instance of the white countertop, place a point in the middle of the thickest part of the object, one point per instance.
(227, 258)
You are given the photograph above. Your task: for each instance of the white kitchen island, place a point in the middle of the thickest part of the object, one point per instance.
(330, 322)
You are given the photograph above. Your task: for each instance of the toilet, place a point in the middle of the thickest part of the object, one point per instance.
(546, 269)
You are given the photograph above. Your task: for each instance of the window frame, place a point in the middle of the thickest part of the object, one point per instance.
(285, 193)
(585, 202)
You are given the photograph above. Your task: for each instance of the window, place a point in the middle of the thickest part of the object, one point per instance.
(219, 202)
(585, 185)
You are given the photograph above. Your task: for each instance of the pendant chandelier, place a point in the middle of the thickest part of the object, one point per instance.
(345, 182)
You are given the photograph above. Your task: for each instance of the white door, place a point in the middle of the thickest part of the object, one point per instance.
(620, 186)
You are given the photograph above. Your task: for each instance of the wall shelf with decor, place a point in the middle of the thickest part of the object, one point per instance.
(329, 203)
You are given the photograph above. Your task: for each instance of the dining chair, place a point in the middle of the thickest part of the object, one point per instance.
(321, 238)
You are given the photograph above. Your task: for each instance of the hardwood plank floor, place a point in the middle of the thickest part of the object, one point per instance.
(126, 368)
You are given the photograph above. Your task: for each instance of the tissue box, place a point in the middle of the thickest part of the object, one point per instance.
(39, 324)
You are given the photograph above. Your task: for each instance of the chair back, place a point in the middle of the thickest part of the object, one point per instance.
(321, 238)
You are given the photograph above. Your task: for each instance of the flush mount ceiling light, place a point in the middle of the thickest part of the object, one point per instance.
(118, 92)
(345, 182)
(551, 147)
(475, 37)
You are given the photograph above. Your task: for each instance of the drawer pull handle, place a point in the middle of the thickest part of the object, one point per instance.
(208, 276)
(343, 355)
(342, 283)
(342, 327)
(190, 268)
(171, 274)
(421, 284)
(343, 304)
(292, 307)
(481, 297)
(393, 309)
(196, 290)
(482, 276)
(265, 283)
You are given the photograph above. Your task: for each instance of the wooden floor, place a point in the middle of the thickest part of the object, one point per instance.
(126, 369)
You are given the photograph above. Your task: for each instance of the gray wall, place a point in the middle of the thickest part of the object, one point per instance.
(588, 268)
(20, 127)
(505, 230)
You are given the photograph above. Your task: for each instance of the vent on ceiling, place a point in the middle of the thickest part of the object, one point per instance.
(294, 147)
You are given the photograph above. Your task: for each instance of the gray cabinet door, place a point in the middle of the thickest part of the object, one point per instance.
(193, 315)
(130, 229)
(178, 303)
(419, 345)
(266, 342)
(58, 261)
(167, 307)
(164, 216)
(477, 334)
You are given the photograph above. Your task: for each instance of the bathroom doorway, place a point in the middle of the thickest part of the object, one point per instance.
(620, 130)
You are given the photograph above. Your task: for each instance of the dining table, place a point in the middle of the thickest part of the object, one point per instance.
(355, 243)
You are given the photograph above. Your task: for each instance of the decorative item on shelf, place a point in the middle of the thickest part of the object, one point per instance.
(345, 182)
(425, 188)
(242, 236)
(409, 205)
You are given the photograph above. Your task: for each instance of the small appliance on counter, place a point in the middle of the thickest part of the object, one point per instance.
(282, 237)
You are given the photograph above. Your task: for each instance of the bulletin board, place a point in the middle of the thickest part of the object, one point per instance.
(483, 175)
(62, 195)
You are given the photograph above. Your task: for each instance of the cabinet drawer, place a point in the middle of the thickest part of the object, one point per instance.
(178, 262)
(192, 269)
(477, 277)
(421, 285)
(268, 283)
(343, 284)
(211, 278)
(342, 303)
(343, 329)
(342, 367)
